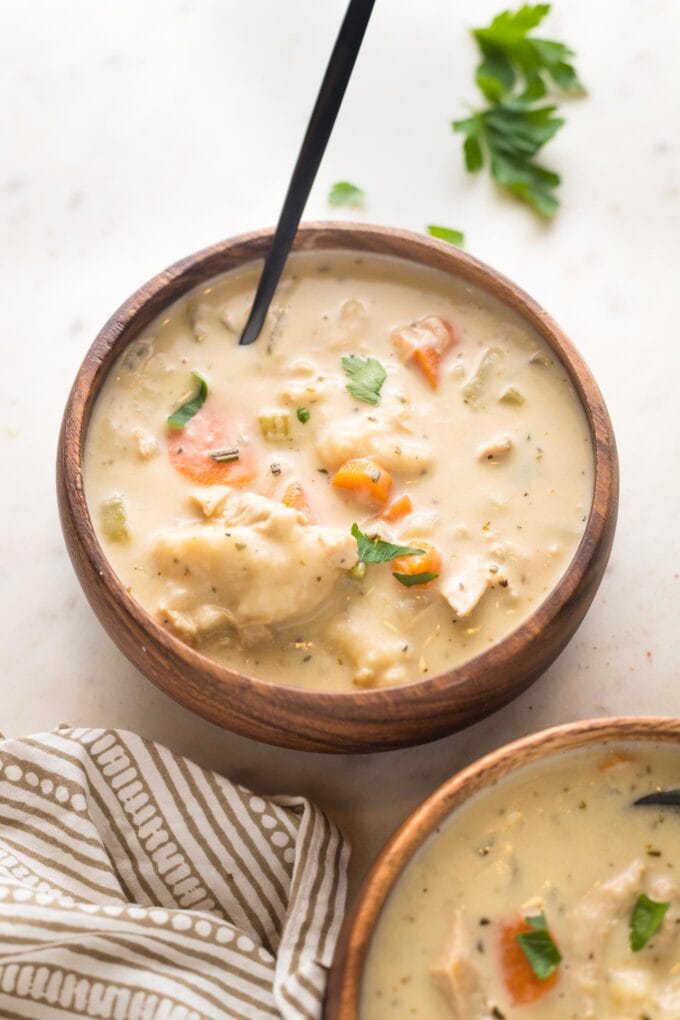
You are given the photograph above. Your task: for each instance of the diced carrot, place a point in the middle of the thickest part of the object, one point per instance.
(295, 498)
(400, 508)
(365, 480)
(425, 342)
(428, 361)
(520, 982)
(427, 562)
(189, 451)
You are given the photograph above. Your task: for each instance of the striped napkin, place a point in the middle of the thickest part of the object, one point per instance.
(135, 885)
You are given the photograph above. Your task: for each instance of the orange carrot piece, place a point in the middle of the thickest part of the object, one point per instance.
(400, 508)
(427, 562)
(365, 480)
(520, 982)
(295, 498)
(428, 360)
(189, 451)
(425, 343)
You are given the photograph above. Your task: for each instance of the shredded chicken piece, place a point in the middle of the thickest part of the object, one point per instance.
(590, 923)
(147, 445)
(465, 589)
(458, 978)
(497, 448)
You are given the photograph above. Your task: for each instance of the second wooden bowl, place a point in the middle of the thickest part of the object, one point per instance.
(317, 720)
(344, 985)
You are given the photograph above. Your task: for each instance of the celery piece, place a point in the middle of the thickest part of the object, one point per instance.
(113, 519)
(511, 395)
(275, 427)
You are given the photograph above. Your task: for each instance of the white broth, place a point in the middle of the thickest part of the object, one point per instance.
(234, 529)
(560, 841)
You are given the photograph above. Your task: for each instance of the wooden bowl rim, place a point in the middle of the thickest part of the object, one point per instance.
(146, 302)
(346, 973)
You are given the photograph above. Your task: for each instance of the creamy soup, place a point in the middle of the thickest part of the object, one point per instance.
(387, 482)
(553, 865)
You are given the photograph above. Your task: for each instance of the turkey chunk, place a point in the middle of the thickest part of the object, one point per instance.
(457, 976)
(251, 563)
(465, 589)
(590, 924)
(496, 448)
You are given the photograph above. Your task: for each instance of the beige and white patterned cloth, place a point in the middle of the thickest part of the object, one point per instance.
(135, 885)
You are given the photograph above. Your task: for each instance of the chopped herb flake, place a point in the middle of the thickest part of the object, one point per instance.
(224, 456)
(410, 579)
(185, 413)
(538, 946)
(645, 921)
(367, 376)
(374, 550)
(447, 234)
(303, 415)
(344, 193)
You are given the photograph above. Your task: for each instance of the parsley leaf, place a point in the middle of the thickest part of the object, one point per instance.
(515, 73)
(645, 921)
(410, 579)
(539, 948)
(374, 550)
(446, 234)
(344, 193)
(185, 413)
(367, 376)
(511, 60)
(303, 415)
(508, 136)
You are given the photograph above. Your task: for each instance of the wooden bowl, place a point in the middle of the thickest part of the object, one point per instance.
(323, 721)
(344, 982)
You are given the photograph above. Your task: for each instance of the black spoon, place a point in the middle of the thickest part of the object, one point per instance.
(318, 132)
(662, 798)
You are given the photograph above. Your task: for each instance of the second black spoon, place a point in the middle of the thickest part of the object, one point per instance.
(661, 798)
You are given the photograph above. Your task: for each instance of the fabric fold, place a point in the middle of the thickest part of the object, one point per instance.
(135, 885)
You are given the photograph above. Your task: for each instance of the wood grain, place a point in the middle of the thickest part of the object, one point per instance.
(344, 984)
(323, 721)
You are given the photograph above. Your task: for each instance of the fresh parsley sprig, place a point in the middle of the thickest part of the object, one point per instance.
(374, 550)
(346, 193)
(515, 73)
(509, 135)
(448, 234)
(366, 377)
(515, 63)
(539, 948)
(645, 921)
(408, 580)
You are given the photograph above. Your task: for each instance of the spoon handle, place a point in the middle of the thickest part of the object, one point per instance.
(320, 125)
(662, 798)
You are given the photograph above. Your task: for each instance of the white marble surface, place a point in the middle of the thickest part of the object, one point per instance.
(134, 133)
